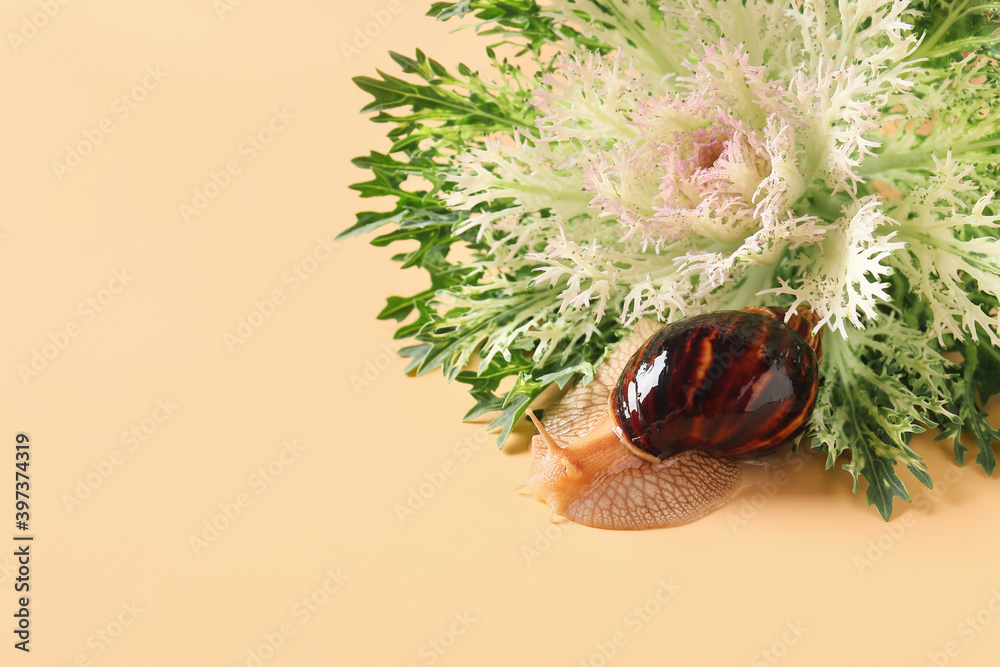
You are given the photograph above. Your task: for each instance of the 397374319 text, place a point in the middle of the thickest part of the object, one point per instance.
(22, 541)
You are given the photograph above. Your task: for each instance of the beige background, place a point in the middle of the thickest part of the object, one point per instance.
(319, 562)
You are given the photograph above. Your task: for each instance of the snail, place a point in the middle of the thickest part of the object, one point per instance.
(675, 420)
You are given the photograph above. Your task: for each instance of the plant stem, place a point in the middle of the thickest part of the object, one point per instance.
(931, 42)
(918, 159)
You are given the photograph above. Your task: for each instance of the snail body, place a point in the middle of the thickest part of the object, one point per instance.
(669, 428)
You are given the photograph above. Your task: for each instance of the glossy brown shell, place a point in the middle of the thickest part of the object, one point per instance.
(734, 383)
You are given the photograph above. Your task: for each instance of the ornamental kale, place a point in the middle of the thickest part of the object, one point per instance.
(627, 159)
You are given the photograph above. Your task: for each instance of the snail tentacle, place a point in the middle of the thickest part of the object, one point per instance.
(673, 422)
(582, 469)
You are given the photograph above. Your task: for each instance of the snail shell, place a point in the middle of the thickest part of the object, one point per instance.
(664, 433)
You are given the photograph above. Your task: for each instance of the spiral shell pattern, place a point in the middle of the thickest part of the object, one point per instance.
(733, 383)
